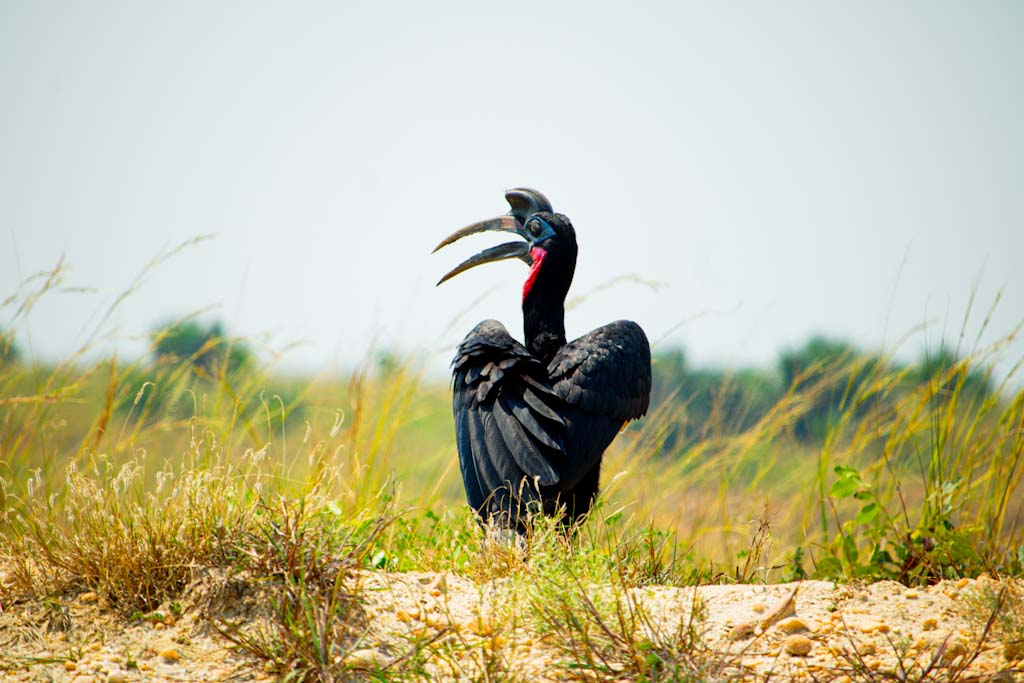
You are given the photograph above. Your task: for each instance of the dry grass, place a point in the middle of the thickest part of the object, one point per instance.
(127, 479)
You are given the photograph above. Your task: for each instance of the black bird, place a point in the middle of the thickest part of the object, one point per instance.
(532, 422)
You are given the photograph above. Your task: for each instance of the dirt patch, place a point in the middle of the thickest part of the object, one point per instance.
(446, 627)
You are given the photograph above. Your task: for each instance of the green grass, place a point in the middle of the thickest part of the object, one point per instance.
(124, 477)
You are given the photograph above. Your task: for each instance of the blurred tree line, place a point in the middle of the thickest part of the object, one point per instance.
(204, 346)
(184, 356)
(833, 377)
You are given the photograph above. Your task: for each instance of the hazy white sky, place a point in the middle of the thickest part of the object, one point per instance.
(784, 168)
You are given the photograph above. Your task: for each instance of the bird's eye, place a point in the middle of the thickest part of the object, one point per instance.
(534, 228)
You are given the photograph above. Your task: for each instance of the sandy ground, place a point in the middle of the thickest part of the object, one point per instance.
(445, 627)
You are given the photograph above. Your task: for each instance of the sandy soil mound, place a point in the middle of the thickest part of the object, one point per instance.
(445, 627)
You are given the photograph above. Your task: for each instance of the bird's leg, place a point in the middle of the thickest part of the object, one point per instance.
(504, 539)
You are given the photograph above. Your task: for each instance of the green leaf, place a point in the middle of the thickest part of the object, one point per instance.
(844, 487)
(844, 471)
(868, 513)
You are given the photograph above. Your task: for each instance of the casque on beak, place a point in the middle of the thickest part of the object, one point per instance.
(524, 202)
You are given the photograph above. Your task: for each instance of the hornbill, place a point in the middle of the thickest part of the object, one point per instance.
(532, 422)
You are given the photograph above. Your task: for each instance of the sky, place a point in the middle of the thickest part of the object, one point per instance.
(777, 169)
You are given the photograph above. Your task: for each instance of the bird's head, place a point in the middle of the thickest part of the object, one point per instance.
(550, 241)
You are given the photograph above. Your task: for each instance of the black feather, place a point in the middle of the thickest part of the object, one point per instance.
(525, 418)
(530, 459)
(540, 407)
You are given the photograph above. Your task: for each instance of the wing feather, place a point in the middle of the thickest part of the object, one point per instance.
(524, 418)
(541, 408)
(521, 447)
(507, 417)
(606, 372)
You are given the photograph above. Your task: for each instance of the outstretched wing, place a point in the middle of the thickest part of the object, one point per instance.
(606, 371)
(507, 421)
(605, 378)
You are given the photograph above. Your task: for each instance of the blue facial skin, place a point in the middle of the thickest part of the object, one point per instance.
(538, 230)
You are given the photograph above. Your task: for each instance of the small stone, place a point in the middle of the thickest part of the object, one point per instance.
(117, 676)
(962, 583)
(366, 658)
(954, 648)
(170, 655)
(158, 626)
(1014, 650)
(84, 679)
(797, 645)
(70, 666)
(930, 624)
(911, 595)
(95, 647)
(874, 628)
(792, 625)
(759, 607)
(742, 631)
(88, 597)
(435, 592)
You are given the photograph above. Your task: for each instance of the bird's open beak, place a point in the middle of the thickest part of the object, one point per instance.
(524, 202)
(506, 223)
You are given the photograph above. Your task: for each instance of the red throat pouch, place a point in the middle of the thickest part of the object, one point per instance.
(537, 254)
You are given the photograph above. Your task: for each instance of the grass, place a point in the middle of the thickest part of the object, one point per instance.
(132, 479)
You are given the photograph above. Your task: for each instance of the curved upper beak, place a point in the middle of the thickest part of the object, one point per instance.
(506, 223)
(524, 202)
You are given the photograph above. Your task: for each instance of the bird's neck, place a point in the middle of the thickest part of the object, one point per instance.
(544, 304)
(544, 329)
